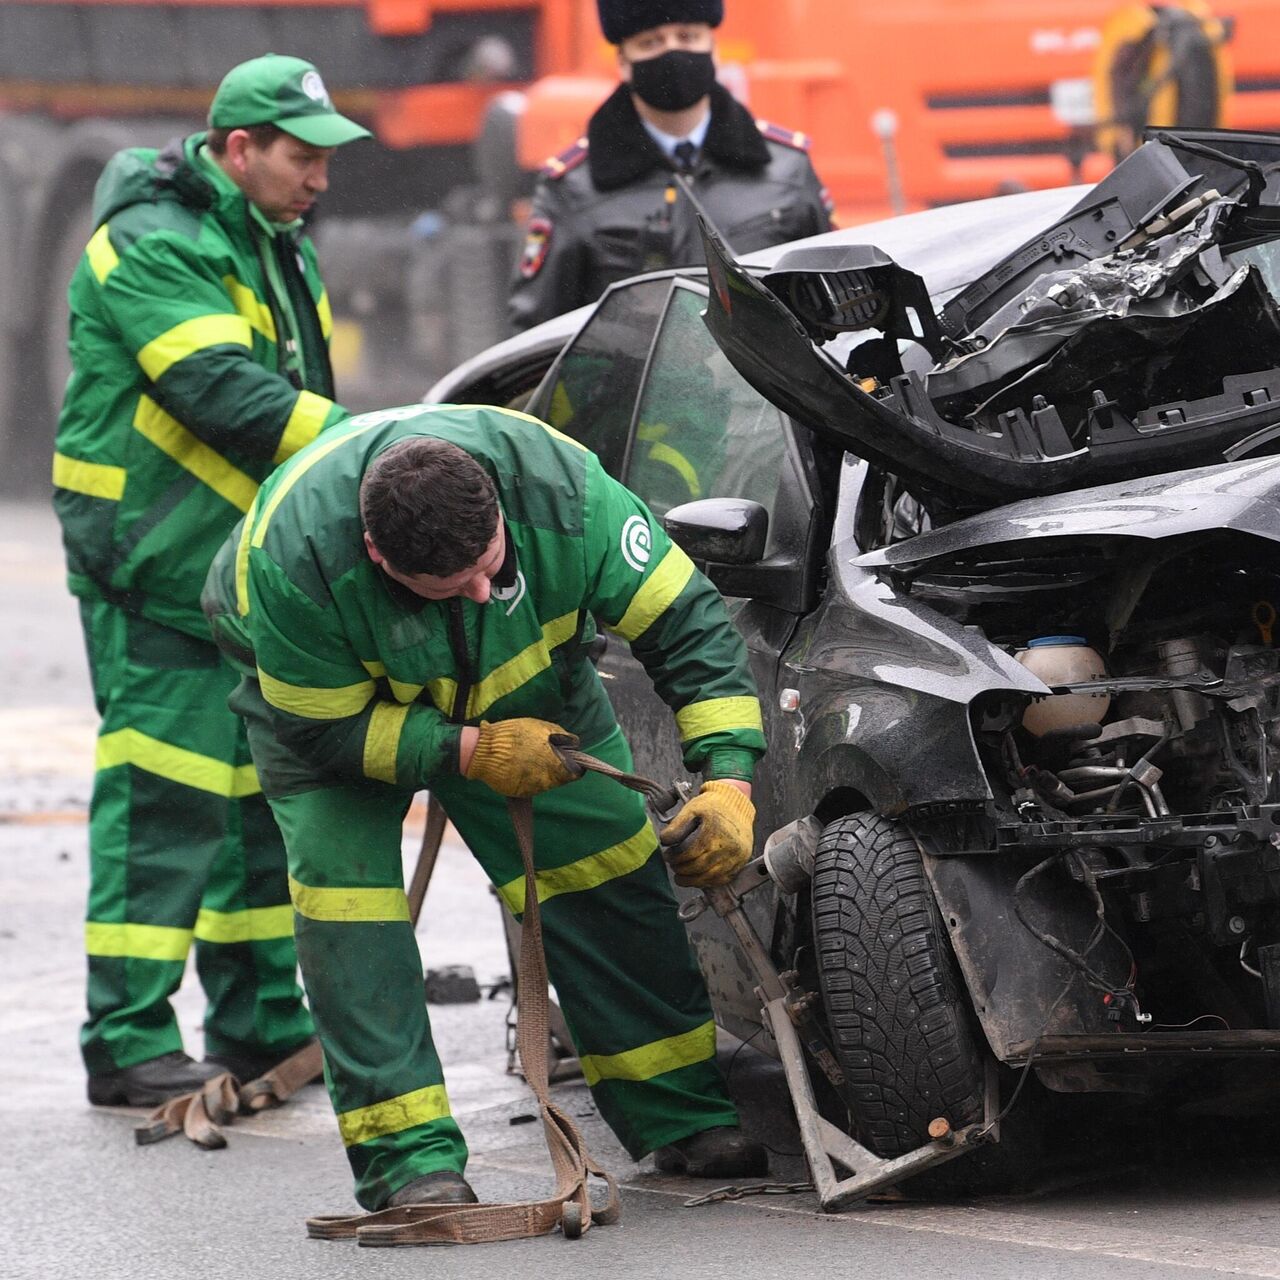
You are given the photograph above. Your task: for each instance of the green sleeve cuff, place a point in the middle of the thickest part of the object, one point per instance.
(450, 746)
(729, 762)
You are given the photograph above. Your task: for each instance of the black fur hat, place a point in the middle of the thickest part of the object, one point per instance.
(622, 18)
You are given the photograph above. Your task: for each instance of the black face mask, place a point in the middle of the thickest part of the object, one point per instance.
(673, 81)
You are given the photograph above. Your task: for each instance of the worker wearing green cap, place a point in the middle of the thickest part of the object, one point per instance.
(199, 348)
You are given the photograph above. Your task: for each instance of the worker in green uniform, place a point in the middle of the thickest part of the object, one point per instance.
(199, 348)
(412, 599)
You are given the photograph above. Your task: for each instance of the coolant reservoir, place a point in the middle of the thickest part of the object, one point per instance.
(1063, 660)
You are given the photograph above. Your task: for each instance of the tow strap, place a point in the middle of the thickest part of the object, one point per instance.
(570, 1206)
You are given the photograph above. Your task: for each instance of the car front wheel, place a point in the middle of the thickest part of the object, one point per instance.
(897, 1011)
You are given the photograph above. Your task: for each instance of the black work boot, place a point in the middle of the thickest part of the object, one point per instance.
(148, 1084)
(442, 1187)
(249, 1066)
(722, 1152)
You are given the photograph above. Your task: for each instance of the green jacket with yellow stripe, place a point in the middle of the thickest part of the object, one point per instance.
(364, 679)
(199, 347)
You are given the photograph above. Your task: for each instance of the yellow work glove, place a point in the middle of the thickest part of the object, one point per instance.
(517, 758)
(709, 841)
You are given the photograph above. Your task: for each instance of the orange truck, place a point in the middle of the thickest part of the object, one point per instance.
(908, 104)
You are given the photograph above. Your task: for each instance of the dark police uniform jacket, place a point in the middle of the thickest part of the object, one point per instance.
(609, 207)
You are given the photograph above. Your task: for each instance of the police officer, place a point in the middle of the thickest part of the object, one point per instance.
(610, 206)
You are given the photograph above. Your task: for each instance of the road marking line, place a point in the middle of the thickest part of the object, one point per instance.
(45, 818)
(993, 1226)
(1071, 1236)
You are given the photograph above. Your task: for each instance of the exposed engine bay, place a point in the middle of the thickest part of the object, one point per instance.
(1138, 808)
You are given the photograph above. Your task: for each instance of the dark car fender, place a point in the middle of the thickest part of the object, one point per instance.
(885, 684)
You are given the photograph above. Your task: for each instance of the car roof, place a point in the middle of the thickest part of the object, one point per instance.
(948, 247)
(951, 245)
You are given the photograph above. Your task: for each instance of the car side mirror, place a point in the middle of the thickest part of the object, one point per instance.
(719, 530)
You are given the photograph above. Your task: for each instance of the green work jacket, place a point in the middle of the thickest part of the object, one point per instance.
(364, 679)
(182, 397)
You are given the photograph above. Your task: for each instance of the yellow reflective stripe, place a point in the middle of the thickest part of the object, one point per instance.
(185, 339)
(193, 455)
(136, 941)
(395, 1115)
(651, 1060)
(718, 715)
(522, 668)
(177, 764)
(255, 924)
(313, 703)
(673, 458)
(103, 259)
(656, 594)
(527, 417)
(295, 474)
(400, 690)
(305, 423)
(561, 405)
(443, 693)
(586, 873)
(242, 560)
(382, 740)
(348, 906)
(325, 313)
(93, 478)
(248, 304)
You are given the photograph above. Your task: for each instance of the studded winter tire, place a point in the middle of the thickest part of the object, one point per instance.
(896, 1009)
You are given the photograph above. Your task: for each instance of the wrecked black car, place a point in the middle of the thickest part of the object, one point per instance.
(1003, 547)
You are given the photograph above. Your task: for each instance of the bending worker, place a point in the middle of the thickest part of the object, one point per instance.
(199, 349)
(414, 597)
(610, 206)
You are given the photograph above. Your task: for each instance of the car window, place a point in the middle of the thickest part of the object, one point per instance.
(702, 431)
(590, 394)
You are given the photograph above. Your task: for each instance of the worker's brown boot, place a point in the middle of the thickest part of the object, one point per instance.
(722, 1152)
(442, 1187)
(148, 1084)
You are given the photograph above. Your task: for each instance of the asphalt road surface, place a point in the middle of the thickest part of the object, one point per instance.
(79, 1199)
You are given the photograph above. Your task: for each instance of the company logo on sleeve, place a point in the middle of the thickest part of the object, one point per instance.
(637, 543)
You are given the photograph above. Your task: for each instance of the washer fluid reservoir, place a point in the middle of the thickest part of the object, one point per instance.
(1063, 660)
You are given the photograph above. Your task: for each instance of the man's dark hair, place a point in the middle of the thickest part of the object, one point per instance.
(261, 135)
(429, 507)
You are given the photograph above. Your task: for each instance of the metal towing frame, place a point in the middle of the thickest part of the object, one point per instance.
(787, 1015)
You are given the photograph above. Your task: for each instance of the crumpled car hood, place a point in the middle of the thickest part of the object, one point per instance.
(1244, 496)
(1139, 334)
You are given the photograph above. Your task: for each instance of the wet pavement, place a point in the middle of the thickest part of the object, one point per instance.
(79, 1199)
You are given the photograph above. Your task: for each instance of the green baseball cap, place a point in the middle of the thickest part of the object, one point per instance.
(286, 92)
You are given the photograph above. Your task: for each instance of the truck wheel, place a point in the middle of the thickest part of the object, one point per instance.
(896, 1007)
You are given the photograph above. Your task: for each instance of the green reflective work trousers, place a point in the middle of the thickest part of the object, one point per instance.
(631, 993)
(182, 845)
